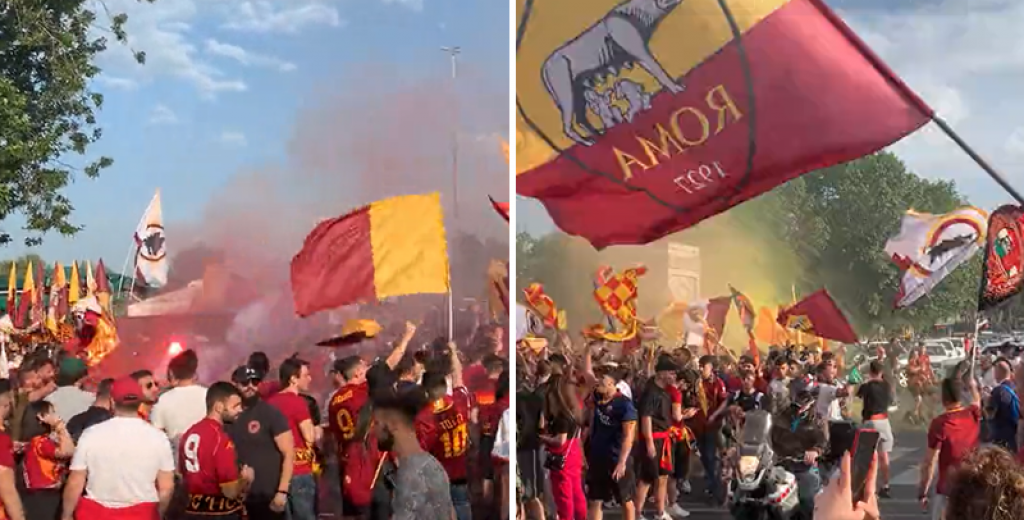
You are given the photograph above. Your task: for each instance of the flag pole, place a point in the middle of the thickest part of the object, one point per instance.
(979, 160)
(799, 334)
(451, 316)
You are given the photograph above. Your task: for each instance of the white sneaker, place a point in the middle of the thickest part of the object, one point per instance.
(686, 487)
(675, 510)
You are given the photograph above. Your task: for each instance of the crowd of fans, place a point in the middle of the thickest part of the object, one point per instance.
(420, 434)
(602, 429)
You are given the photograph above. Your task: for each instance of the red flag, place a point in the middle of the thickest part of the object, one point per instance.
(718, 311)
(501, 207)
(711, 115)
(818, 315)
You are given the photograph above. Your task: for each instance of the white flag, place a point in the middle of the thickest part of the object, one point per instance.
(151, 253)
(929, 247)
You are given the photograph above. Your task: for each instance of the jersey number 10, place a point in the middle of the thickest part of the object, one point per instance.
(455, 441)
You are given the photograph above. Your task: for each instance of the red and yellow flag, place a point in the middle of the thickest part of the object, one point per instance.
(616, 294)
(818, 315)
(541, 304)
(392, 247)
(28, 291)
(639, 118)
(12, 290)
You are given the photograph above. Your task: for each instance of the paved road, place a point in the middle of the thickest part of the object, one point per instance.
(906, 456)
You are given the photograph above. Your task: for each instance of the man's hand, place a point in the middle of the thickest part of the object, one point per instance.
(810, 457)
(247, 474)
(650, 449)
(278, 503)
(689, 412)
(619, 471)
(410, 330)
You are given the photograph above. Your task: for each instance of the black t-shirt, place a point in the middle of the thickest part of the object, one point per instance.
(90, 417)
(380, 376)
(253, 433)
(559, 424)
(656, 404)
(747, 402)
(528, 409)
(876, 396)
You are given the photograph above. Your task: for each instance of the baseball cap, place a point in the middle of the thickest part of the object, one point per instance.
(72, 367)
(244, 374)
(126, 390)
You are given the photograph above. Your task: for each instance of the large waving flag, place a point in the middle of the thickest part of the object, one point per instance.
(616, 294)
(151, 251)
(392, 247)
(544, 306)
(818, 315)
(1003, 274)
(643, 117)
(497, 288)
(929, 247)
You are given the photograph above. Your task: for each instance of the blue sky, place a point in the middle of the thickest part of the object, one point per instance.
(966, 59)
(223, 83)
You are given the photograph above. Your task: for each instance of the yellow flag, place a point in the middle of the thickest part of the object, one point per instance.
(28, 289)
(75, 288)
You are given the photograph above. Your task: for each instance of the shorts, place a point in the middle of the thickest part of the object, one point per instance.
(350, 510)
(600, 484)
(531, 473)
(647, 469)
(486, 460)
(886, 441)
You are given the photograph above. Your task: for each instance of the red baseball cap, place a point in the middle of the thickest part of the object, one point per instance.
(126, 390)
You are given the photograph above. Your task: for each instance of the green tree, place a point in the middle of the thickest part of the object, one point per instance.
(833, 225)
(21, 263)
(47, 106)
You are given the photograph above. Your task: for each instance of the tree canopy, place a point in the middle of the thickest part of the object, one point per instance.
(826, 229)
(48, 106)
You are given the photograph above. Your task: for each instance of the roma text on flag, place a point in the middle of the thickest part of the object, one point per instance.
(639, 118)
(392, 247)
(929, 247)
(819, 316)
(1003, 272)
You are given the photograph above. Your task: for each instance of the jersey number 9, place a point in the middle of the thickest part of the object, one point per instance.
(346, 424)
(191, 451)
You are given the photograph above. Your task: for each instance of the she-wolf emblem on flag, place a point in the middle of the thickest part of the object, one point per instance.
(639, 118)
(801, 323)
(617, 294)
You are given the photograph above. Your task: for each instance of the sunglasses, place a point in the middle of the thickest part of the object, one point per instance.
(251, 382)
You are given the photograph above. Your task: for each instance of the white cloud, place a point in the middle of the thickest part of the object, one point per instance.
(232, 138)
(162, 115)
(966, 60)
(115, 82)
(415, 5)
(244, 57)
(277, 17)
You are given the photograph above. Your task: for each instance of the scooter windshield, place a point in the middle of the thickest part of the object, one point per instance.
(756, 430)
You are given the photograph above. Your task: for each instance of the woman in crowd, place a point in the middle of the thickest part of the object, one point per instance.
(48, 449)
(561, 422)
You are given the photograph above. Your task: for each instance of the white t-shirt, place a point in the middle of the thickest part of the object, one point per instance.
(177, 410)
(121, 458)
(624, 389)
(828, 406)
(69, 401)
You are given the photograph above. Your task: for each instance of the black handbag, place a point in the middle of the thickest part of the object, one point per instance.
(556, 461)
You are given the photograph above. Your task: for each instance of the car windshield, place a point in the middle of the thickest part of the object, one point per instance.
(935, 350)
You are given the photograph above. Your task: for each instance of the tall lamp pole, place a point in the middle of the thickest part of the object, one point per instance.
(453, 52)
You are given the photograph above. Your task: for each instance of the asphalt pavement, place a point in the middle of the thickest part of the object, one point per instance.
(905, 471)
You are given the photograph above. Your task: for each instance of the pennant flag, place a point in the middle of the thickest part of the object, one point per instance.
(53, 314)
(61, 282)
(392, 247)
(656, 115)
(12, 289)
(1003, 272)
(103, 289)
(75, 287)
(151, 252)
(497, 288)
(714, 322)
(38, 309)
(929, 247)
(28, 288)
(501, 207)
(818, 315)
(90, 280)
